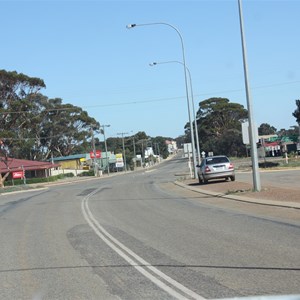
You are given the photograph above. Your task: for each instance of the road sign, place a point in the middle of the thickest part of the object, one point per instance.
(18, 175)
(245, 133)
(98, 154)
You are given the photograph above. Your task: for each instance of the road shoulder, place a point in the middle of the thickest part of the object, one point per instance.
(241, 191)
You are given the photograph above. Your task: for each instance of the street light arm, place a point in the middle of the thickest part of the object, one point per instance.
(192, 96)
(129, 26)
(164, 62)
(185, 79)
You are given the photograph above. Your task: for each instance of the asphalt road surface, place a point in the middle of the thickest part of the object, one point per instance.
(138, 236)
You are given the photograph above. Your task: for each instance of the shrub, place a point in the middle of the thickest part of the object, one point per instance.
(268, 164)
(38, 180)
(87, 173)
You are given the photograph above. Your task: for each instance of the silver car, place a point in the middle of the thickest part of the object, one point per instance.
(215, 167)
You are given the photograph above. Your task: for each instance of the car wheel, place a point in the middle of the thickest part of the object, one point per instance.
(232, 178)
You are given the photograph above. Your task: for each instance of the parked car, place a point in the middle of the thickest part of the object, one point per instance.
(215, 167)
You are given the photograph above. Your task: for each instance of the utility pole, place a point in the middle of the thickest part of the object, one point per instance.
(96, 170)
(124, 155)
(134, 153)
(107, 158)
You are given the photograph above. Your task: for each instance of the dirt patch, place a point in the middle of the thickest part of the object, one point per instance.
(246, 189)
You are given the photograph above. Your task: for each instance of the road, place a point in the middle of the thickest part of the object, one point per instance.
(138, 236)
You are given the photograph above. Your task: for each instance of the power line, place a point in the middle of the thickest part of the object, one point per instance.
(29, 138)
(154, 100)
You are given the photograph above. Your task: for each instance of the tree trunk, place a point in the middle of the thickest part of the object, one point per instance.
(2, 179)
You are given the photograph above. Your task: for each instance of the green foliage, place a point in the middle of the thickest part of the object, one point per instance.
(180, 140)
(266, 129)
(296, 113)
(293, 131)
(160, 147)
(219, 126)
(33, 126)
(67, 175)
(16, 92)
(87, 173)
(268, 164)
(38, 180)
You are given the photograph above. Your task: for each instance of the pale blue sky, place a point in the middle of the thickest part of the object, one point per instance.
(87, 57)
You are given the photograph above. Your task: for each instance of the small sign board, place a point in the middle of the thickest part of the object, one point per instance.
(187, 149)
(18, 174)
(98, 154)
(246, 133)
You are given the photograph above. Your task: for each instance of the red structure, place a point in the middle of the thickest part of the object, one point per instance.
(29, 167)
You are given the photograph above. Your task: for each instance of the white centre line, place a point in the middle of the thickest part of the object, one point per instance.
(124, 252)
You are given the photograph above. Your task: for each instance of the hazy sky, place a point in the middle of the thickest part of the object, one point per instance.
(87, 57)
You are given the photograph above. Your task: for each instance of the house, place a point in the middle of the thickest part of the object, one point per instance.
(31, 168)
(74, 162)
(172, 146)
(78, 163)
(273, 145)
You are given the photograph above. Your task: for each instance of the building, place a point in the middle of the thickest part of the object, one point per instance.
(14, 168)
(273, 145)
(79, 163)
(172, 146)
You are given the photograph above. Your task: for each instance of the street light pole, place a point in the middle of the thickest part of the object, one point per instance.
(134, 152)
(186, 85)
(193, 103)
(96, 170)
(107, 159)
(255, 168)
(122, 134)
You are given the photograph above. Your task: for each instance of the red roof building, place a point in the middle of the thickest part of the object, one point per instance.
(31, 168)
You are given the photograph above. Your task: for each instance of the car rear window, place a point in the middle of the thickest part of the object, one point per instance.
(216, 160)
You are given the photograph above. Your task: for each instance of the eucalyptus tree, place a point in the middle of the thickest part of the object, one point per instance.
(296, 114)
(16, 101)
(35, 127)
(266, 129)
(65, 128)
(219, 126)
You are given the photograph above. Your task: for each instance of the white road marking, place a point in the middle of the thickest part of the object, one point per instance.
(123, 251)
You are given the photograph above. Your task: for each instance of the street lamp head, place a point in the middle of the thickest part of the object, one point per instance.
(130, 26)
(153, 64)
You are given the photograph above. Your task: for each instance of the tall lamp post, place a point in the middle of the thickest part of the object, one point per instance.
(252, 136)
(134, 152)
(186, 85)
(122, 134)
(193, 103)
(106, 156)
(96, 169)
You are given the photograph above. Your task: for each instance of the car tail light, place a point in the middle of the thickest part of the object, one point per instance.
(207, 169)
(231, 166)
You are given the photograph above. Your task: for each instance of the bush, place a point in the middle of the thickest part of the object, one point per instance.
(69, 174)
(87, 173)
(38, 180)
(268, 164)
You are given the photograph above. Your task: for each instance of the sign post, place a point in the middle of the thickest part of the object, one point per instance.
(19, 175)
